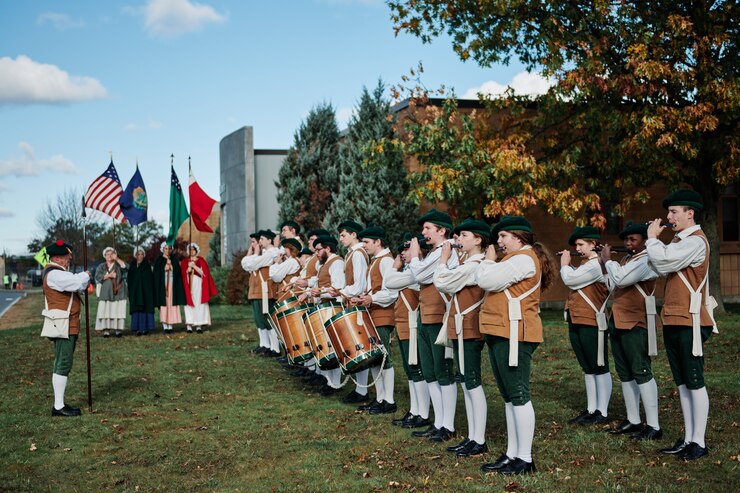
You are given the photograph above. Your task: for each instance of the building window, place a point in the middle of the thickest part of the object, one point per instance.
(730, 207)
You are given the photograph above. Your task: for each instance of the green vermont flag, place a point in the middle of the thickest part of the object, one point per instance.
(178, 209)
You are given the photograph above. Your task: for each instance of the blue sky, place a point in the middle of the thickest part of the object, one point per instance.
(144, 79)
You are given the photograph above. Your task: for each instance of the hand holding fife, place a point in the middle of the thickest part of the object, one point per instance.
(414, 248)
(398, 263)
(446, 252)
(564, 258)
(491, 253)
(654, 228)
(605, 254)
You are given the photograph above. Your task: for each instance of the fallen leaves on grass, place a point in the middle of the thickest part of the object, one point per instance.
(27, 382)
(512, 486)
(33, 447)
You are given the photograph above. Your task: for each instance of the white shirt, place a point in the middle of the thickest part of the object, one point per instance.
(385, 296)
(359, 271)
(673, 257)
(336, 273)
(497, 276)
(582, 276)
(423, 269)
(278, 272)
(451, 280)
(635, 270)
(253, 263)
(400, 279)
(62, 280)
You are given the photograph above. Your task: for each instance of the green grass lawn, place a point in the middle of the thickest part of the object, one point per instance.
(193, 412)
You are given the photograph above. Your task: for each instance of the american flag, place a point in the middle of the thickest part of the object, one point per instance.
(104, 194)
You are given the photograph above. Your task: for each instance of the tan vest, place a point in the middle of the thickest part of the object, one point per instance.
(324, 275)
(466, 297)
(255, 292)
(349, 269)
(402, 313)
(311, 270)
(677, 299)
(494, 312)
(628, 305)
(382, 316)
(59, 300)
(580, 311)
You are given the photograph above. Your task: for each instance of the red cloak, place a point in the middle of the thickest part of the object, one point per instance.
(209, 287)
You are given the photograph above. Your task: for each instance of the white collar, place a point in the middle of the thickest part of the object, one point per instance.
(686, 232)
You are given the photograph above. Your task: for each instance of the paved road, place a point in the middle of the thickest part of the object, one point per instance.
(8, 299)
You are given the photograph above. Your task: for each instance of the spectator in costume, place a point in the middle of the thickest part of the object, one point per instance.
(199, 289)
(141, 294)
(169, 292)
(112, 296)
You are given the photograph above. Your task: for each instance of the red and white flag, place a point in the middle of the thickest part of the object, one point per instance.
(104, 193)
(200, 205)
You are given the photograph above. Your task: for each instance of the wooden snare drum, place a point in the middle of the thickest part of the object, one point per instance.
(355, 339)
(314, 320)
(295, 336)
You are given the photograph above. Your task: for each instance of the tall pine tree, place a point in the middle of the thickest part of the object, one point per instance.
(372, 177)
(308, 178)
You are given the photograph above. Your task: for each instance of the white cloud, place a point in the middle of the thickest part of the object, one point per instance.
(29, 165)
(523, 83)
(25, 81)
(169, 18)
(62, 22)
(343, 116)
(6, 213)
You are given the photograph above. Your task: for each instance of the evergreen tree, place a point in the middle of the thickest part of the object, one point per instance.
(308, 177)
(372, 178)
(214, 245)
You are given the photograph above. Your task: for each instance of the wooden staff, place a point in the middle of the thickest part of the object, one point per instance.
(87, 308)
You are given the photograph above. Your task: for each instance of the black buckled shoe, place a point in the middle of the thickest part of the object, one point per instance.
(595, 418)
(647, 433)
(431, 430)
(518, 466)
(416, 422)
(459, 446)
(66, 411)
(385, 407)
(578, 418)
(474, 448)
(502, 461)
(442, 435)
(402, 419)
(626, 427)
(354, 398)
(677, 448)
(326, 390)
(693, 451)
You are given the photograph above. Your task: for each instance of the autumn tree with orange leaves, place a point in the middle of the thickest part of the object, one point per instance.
(643, 92)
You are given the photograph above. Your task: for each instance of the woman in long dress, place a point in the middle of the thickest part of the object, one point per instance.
(169, 292)
(112, 296)
(141, 294)
(199, 289)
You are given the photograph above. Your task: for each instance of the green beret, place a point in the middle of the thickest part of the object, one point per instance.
(255, 235)
(305, 251)
(633, 229)
(267, 234)
(441, 219)
(685, 197)
(474, 226)
(373, 232)
(350, 227)
(584, 233)
(510, 223)
(325, 240)
(317, 232)
(293, 225)
(292, 241)
(59, 248)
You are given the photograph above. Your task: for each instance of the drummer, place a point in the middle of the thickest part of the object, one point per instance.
(329, 281)
(379, 300)
(436, 367)
(406, 314)
(355, 272)
(263, 295)
(462, 326)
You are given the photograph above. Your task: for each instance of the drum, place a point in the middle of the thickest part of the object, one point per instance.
(279, 307)
(284, 296)
(295, 337)
(355, 340)
(314, 320)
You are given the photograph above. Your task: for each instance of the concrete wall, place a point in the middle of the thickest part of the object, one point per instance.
(248, 192)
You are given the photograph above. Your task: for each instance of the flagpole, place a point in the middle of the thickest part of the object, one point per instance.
(87, 307)
(190, 216)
